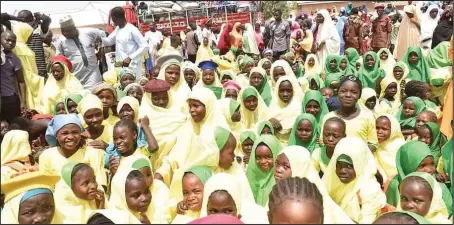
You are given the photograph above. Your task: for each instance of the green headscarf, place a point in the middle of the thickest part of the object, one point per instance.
(410, 122)
(125, 71)
(339, 60)
(318, 97)
(334, 77)
(352, 57)
(249, 91)
(233, 106)
(66, 172)
(246, 60)
(64, 106)
(216, 90)
(294, 140)
(318, 80)
(328, 70)
(247, 134)
(261, 126)
(141, 163)
(221, 135)
(74, 97)
(299, 72)
(418, 218)
(438, 140)
(262, 182)
(345, 158)
(369, 76)
(446, 154)
(202, 172)
(439, 56)
(265, 89)
(262, 61)
(420, 70)
(229, 73)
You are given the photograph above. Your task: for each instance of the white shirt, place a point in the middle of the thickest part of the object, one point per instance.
(153, 39)
(129, 42)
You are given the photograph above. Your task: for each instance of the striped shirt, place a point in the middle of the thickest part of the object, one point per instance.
(36, 45)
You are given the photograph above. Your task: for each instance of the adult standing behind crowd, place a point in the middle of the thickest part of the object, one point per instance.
(353, 30)
(409, 31)
(154, 38)
(192, 42)
(40, 24)
(326, 38)
(78, 45)
(382, 28)
(443, 31)
(130, 45)
(278, 34)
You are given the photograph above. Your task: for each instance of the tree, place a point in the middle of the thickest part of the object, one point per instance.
(269, 6)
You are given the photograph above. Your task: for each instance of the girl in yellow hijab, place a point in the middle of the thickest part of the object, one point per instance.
(191, 73)
(224, 186)
(419, 185)
(30, 190)
(351, 183)
(400, 73)
(278, 69)
(165, 120)
(196, 143)
(33, 81)
(61, 83)
(108, 96)
(253, 109)
(15, 154)
(295, 161)
(210, 78)
(172, 72)
(390, 139)
(369, 101)
(204, 53)
(311, 65)
(285, 106)
(389, 96)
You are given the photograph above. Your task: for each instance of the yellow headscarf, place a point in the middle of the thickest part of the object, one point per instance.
(365, 183)
(280, 63)
(180, 91)
(286, 113)
(91, 101)
(216, 82)
(54, 90)
(385, 154)
(385, 105)
(204, 53)
(33, 81)
(225, 104)
(301, 166)
(133, 103)
(314, 69)
(15, 146)
(193, 67)
(251, 118)
(366, 94)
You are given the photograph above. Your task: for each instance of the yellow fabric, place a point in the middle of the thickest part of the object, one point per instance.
(27, 182)
(235, 127)
(91, 101)
(164, 123)
(251, 118)
(237, 171)
(384, 105)
(189, 216)
(133, 103)
(15, 146)
(111, 120)
(362, 126)
(33, 82)
(345, 195)
(196, 145)
(280, 63)
(204, 53)
(317, 69)
(216, 83)
(385, 155)
(444, 73)
(116, 216)
(180, 90)
(193, 67)
(52, 161)
(304, 84)
(301, 166)
(307, 41)
(286, 113)
(250, 212)
(366, 94)
(317, 161)
(54, 90)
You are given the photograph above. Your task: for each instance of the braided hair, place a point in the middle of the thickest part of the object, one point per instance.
(295, 189)
(352, 78)
(415, 88)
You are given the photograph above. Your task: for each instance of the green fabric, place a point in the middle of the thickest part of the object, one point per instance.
(420, 70)
(66, 172)
(216, 51)
(216, 90)
(437, 82)
(323, 156)
(221, 135)
(74, 97)
(439, 56)
(345, 158)
(249, 91)
(410, 123)
(353, 56)
(339, 59)
(202, 172)
(438, 140)
(328, 70)
(294, 140)
(265, 90)
(229, 73)
(261, 126)
(141, 163)
(318, 97)
(299, 72)
(418, 218)
(248, 134)
(318, 81)
(120, 93)
(446, 154)
(234, 105)
(125, 71)
(334, 77)
(262, 182)
(246, 60)
(368, 76)
(65, 106)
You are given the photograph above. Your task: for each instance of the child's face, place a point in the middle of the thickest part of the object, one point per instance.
(126, 112)
(266, 130)
(93, 118)
(334, 88)
(247, 146)
(427, 165)
(4, 128)
(84, 184)
(136, 93)
(398, 72)
(72, 106)
(285, 91)
(278, 72)
(172, 74)
(60, 109)
(343, 64)
(415, 196)
(138, 195)
(370, 61)
(230, 93)
(267, 67)
(205, 41)
(236, 116)
(313, 85)
(160, 99)
(39, 209)
(269, 56)
(227, 155)
(349, 94)
(197, 110)
(327, 93)
(256, 80)
(423, 118)
(251, 103)
(333, 132)
(332, 64)
(295, 67)
(127, 79)
(371, 102)
(189, 76)
(409, 109)
(225, 78)
(264, 158)
(426, 94)
(313, 107)
(208, 77)
(124, 139)
(304, 131)
(107, 98)
(146, 171)
(358, 66)
(155, 72)
(289, 212)
(311, 62)
(192, 192)
(391, 90)
(283, 169)
(383, 55)
(345, 172)
(248, 67)
(424, 135)
(221, 202)
(69, 137)
(413, 58)
(256, 59)
(383, 126)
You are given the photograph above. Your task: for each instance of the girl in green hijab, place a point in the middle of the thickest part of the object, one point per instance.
(247, 139)
(407, 113)
(342, 64)
(444, 164)
(315, 81)
(353, 56)
(331, 65)
(265, 127)
(315, 104)
(305, 132)
(417, 64)
(260, 171)
(72, 101)
(259, 80)
(430, 134)
(370, 71)
(333, 81)
(439, 56)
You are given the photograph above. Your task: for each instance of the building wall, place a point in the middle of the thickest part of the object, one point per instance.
(307, 8)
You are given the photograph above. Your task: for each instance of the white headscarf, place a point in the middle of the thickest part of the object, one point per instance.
(429, 24)
(327, 32)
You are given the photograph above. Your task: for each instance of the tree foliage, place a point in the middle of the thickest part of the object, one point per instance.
(269, 6)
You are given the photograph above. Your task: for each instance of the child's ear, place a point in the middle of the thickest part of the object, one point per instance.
(135, 134)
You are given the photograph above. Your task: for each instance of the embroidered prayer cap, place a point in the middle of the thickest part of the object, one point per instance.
(66, 21)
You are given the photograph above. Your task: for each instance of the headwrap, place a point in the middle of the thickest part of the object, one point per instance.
(59, 122)
(231, 85)
(262, 125)
(247, 134)
(73, 97)
(217, 219)
(265, 89)
(267, 51)
(125, 71)
(420, 70)
(202, 172)
(131, 86)
(15, 146)
(316, 96)
(103, 86)
(353, 56)
(156, 85)
(64, 60)
(438, 140)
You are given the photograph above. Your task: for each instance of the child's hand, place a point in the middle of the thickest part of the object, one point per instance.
(99, 144)
(144, 219)
(276, 124)
(442, 177)
(181, 208)
(114, 162)
(145, 122)
(100, 200)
